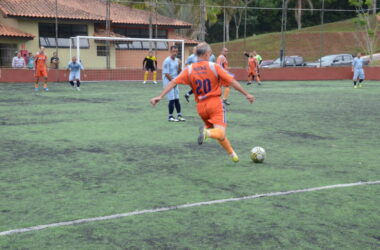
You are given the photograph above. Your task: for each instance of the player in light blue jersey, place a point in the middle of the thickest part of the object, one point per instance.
(170, 70)
(357, 68)
(75, 67)
(193, 59)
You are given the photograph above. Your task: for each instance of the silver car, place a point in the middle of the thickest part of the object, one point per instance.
(332, 60)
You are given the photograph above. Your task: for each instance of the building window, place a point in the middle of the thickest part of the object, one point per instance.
(142, 45)
(141, 33)
(65, 31)
(101, 50)
(7, 52)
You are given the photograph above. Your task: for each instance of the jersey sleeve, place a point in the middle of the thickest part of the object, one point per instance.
(81, 66)
(183, 77)
(224, 76)
(166, 68)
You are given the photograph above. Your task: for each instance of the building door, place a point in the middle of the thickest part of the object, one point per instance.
(7, 52)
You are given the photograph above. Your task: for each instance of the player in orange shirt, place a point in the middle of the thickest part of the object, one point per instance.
(41, 68)
(222, 61)
(253, 68)
(206, 80)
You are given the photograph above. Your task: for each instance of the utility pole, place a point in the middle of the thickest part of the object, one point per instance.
(283, 31)
(108, 32)
(322, 33)
(203, 21)
(150, 24)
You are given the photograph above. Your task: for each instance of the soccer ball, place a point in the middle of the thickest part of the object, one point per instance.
(258, 154)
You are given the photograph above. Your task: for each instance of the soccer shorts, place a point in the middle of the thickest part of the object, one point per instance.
(174, 93)
(212, 112)
(151, 69)
(358, 73)
(41, 72)
(74, 75)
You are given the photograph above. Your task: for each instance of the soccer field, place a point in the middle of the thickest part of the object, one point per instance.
(68, 155)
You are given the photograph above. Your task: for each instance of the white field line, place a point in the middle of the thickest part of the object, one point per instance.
(197, 204)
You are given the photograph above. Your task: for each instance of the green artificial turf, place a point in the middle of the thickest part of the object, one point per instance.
(68, 155)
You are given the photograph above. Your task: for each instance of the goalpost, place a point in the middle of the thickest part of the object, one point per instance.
(119, 58)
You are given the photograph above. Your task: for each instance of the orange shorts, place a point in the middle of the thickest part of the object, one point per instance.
(252, 73)
(41, 72)
(212, 112)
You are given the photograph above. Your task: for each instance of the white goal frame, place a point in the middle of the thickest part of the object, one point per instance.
(77, 39)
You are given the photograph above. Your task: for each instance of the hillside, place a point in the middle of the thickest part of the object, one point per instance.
(338, 37)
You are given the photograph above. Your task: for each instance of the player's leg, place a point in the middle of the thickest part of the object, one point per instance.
(355, 78)
(171, 104)
(77, 78)
(145, 75)
(177, 104)
(225, 95)
(71, 79)
(188, 94)
(36, 83)
(154, 76)
(250, 78)
(361, 78)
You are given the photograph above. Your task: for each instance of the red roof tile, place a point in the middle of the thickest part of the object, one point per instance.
(92, 10)
(187, 40)
(12, 32)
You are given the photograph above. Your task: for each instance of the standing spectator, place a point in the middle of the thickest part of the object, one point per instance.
(30, 61)
(41, 68)
(170, 70)
(18, 62)
(54, 61)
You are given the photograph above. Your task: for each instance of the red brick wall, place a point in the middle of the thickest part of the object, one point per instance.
(284, 74)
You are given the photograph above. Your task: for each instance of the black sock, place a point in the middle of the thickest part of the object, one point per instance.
(354, 83)
(78, 83)
(189, 93)
(177, 106)
(361, 80)
(72, 83)
(171, 108)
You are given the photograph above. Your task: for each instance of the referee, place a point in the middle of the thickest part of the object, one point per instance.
(150, 64)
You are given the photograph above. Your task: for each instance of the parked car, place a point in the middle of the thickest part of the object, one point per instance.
(332, 61)
(290, 61)
(265, 63)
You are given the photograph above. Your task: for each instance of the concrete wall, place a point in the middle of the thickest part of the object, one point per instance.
(285, 74)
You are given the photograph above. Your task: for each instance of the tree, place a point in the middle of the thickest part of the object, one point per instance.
(367, 25)
(298, 10)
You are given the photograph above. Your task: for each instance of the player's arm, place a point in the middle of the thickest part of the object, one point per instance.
(144, 62)
(155, 63)
(239, 88)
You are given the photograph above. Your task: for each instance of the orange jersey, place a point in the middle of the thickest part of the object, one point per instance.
(252, 64)
(205, 79)
(40, 61)
(222, 61)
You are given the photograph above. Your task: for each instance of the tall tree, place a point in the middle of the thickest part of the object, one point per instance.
(299, 5)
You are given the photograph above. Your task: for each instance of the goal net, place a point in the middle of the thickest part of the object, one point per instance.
(120, 59)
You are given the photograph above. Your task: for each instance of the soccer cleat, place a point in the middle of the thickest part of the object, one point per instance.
(355, 87)
(202, 135)
(259, 83)
(154, 82)
(226, 102)
(46, 89)
(78, 88)
(172, 119)
(249, 83)
(144, 82)
(187, 97)
(234, 157)
(180, 118)
(360, 85)
(36, 89)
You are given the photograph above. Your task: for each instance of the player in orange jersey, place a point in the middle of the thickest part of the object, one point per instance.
(253, 68)
(222, 61)
(41, 68)
(206, 80)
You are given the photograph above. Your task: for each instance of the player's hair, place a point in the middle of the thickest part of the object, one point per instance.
(202, 49)
(173, 47)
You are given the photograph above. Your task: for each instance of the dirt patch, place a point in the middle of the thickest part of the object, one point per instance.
(304, 135)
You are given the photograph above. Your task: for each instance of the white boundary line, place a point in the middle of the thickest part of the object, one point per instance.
(197, 204)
